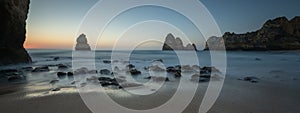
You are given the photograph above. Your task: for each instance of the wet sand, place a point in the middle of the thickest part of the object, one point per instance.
(267, 96)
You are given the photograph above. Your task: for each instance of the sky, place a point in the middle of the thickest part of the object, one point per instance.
(54, 24)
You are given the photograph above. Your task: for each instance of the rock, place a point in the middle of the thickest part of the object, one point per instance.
(196, 67)
(187, 68)
(106, 61)
(171, 69)
(176, 44)
(116, 68)
(130, 66)
(41, 69)
(257, 59)
(251, 79)
(83, 84)
(56, 89)
(104, 79)
(276, 34)
(158, 78)
(27, 68)
(156, 68)
(92, 72)
(195, 76)
(206, 70)
(13, 15)
(61, 74)
(128, 85)
(15, 77)
(82, 43)
(105, 72)
(70, 74)
(53, 81)
(82, 71)
(62, 66)
(8, 71)
(204, 79)
(56, 58)
(177, 74)
(134, 72)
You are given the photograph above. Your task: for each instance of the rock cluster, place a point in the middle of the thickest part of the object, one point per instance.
(172, 43)
(82, 43)
(13, 15)
(277, 34)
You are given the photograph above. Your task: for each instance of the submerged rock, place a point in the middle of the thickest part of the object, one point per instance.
(105, 72)
(41, 69)
(134, 72)
(250, 79)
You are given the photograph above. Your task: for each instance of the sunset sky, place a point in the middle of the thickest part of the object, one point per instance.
(54, 23)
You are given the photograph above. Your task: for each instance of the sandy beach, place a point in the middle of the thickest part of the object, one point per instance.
(236, 97)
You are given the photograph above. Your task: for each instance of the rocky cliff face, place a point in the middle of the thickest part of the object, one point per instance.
(13, 15)
(172, 43)
(277, 34)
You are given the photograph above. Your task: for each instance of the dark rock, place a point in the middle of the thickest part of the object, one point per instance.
(205, 75)
(56, 89)
(157, 78)
(13, 15)
(27, 68)
(134, 72)
(104, 79)
(53, 81)
(277, 34)
(41, 69)
(15, 77)
(177, 74)
(61, 74)
(130, 66)
(251, 79)
(116, 68)
(176, 44)
(171, 69)
(62, 66)
(128, 85)
(257, 59)
(56, 58)
(70, 74)
(106, 61)
(82, 43)
(105, 72)
(82, 71)
(204, 79)
(9, 71)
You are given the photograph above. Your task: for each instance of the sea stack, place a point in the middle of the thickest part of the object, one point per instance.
(13, 15)
(172, 43)
(82, 43)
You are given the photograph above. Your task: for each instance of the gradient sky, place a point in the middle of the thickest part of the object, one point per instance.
(54, 23)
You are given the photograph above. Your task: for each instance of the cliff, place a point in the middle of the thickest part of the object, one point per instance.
(276, 34)
(13, 15)
(172, 43)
